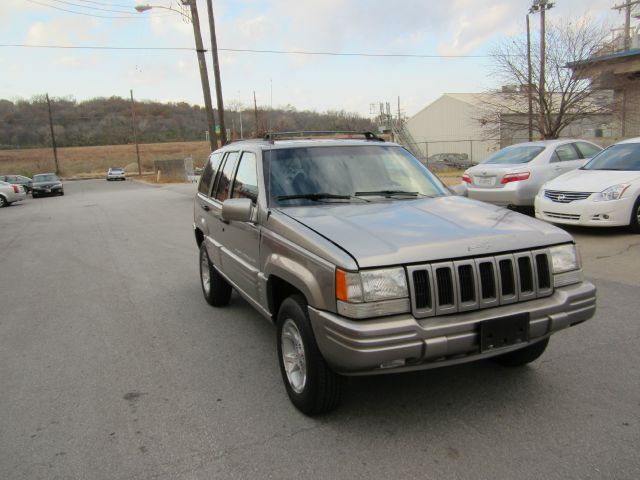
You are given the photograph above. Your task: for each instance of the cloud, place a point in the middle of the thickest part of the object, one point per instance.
(63, 31)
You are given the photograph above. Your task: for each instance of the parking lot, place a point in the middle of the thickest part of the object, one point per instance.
(112, 366)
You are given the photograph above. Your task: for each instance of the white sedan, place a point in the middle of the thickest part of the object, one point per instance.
(603, 193)
(10, 193)
(513, 175)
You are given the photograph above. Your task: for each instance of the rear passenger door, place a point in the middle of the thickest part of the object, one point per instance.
(566, 158)
(203, 216)
(240, 240)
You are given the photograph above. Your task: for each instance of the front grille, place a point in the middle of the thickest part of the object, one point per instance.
(565, 197)
(562, 216)
(458, 286)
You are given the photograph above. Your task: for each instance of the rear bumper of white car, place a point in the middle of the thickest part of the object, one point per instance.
(612, 213)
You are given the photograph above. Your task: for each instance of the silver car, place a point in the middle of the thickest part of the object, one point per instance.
(367, 264)
(10, 193)
(513, 175)
(116, 173)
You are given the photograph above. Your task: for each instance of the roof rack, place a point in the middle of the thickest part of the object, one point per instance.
(272, 136)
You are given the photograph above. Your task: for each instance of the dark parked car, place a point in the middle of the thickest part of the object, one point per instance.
(46, 184)
(17, 180)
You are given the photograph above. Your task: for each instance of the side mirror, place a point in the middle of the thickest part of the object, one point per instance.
(237, 209)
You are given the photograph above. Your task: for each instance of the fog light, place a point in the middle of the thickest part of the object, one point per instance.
(605, 216)
(393, 363)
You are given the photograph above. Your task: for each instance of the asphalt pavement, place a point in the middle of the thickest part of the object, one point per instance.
(112, 366)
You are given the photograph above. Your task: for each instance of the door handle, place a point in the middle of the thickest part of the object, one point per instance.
(205, 207)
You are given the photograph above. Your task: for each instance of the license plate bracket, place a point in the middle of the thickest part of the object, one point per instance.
(504, 331)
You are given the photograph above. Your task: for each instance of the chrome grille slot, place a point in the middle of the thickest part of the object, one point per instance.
(487, 280)
(467, 284)
(526, 281)
(446, 294)
(543, 272)
(460, 286)
(445, 286)
(422, 289)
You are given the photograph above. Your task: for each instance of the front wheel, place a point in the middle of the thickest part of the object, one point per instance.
(216, 290)
(311, 385)
(634, 225)
(523, 356)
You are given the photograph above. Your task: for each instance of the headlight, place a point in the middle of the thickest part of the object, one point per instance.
(611, 193)
(564, 258)
(372, 293)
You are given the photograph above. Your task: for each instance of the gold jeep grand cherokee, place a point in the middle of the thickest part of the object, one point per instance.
(367, 264)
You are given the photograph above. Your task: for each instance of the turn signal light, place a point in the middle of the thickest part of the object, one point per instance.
(515, 177)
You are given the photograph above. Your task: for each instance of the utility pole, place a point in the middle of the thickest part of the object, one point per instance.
(135, 132)
(204, 78)
(529, 93)
(216, 72)
(255, 111)
(541, 6)
(53, 137)
(627, 20)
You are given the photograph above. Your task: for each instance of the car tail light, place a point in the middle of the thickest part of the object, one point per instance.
(515, 177)
(16, 188)
(466, 178)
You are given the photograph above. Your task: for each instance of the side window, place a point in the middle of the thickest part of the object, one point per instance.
(567, 152)
(245, 184)
(587, 150)
(224, 180)
(205, 179)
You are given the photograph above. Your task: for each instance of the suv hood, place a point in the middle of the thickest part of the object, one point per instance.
(413, 231)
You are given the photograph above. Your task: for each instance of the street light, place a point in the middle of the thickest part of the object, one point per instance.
(204, 78)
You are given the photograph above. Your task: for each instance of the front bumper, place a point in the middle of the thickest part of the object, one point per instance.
(354, 347)
(47, 191)
(116, 177)
(613, 213)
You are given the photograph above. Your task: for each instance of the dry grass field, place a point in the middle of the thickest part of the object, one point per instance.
(88, 161)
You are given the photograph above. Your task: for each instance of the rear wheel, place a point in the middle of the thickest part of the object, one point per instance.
(311, 385)
(523, 356)
(215, 288)
(3, 202)
(634, 225)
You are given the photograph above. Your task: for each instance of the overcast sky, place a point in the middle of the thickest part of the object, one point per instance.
(317, 82)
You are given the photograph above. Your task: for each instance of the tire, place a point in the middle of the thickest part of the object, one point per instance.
(34, 195)
(216, 290)
(62, 193)
(312, 386)
(525, 355)
(3, 202)
(634, 224)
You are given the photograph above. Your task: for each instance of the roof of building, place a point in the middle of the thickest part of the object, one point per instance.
(605, 58)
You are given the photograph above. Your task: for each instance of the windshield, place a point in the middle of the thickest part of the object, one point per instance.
(49, 177)
(624, 156)
(515, 154)
(346, 173)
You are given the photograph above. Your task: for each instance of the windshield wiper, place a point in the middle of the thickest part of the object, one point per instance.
(314, 196)
(389, 193)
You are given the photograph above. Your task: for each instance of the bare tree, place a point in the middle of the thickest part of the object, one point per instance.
(568, 96)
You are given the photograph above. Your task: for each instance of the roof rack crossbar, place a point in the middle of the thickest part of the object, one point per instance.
(272, 136)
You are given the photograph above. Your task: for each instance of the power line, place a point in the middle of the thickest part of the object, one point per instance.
(84, 14)
(249, 50)
(104, 4)
(89, 7)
